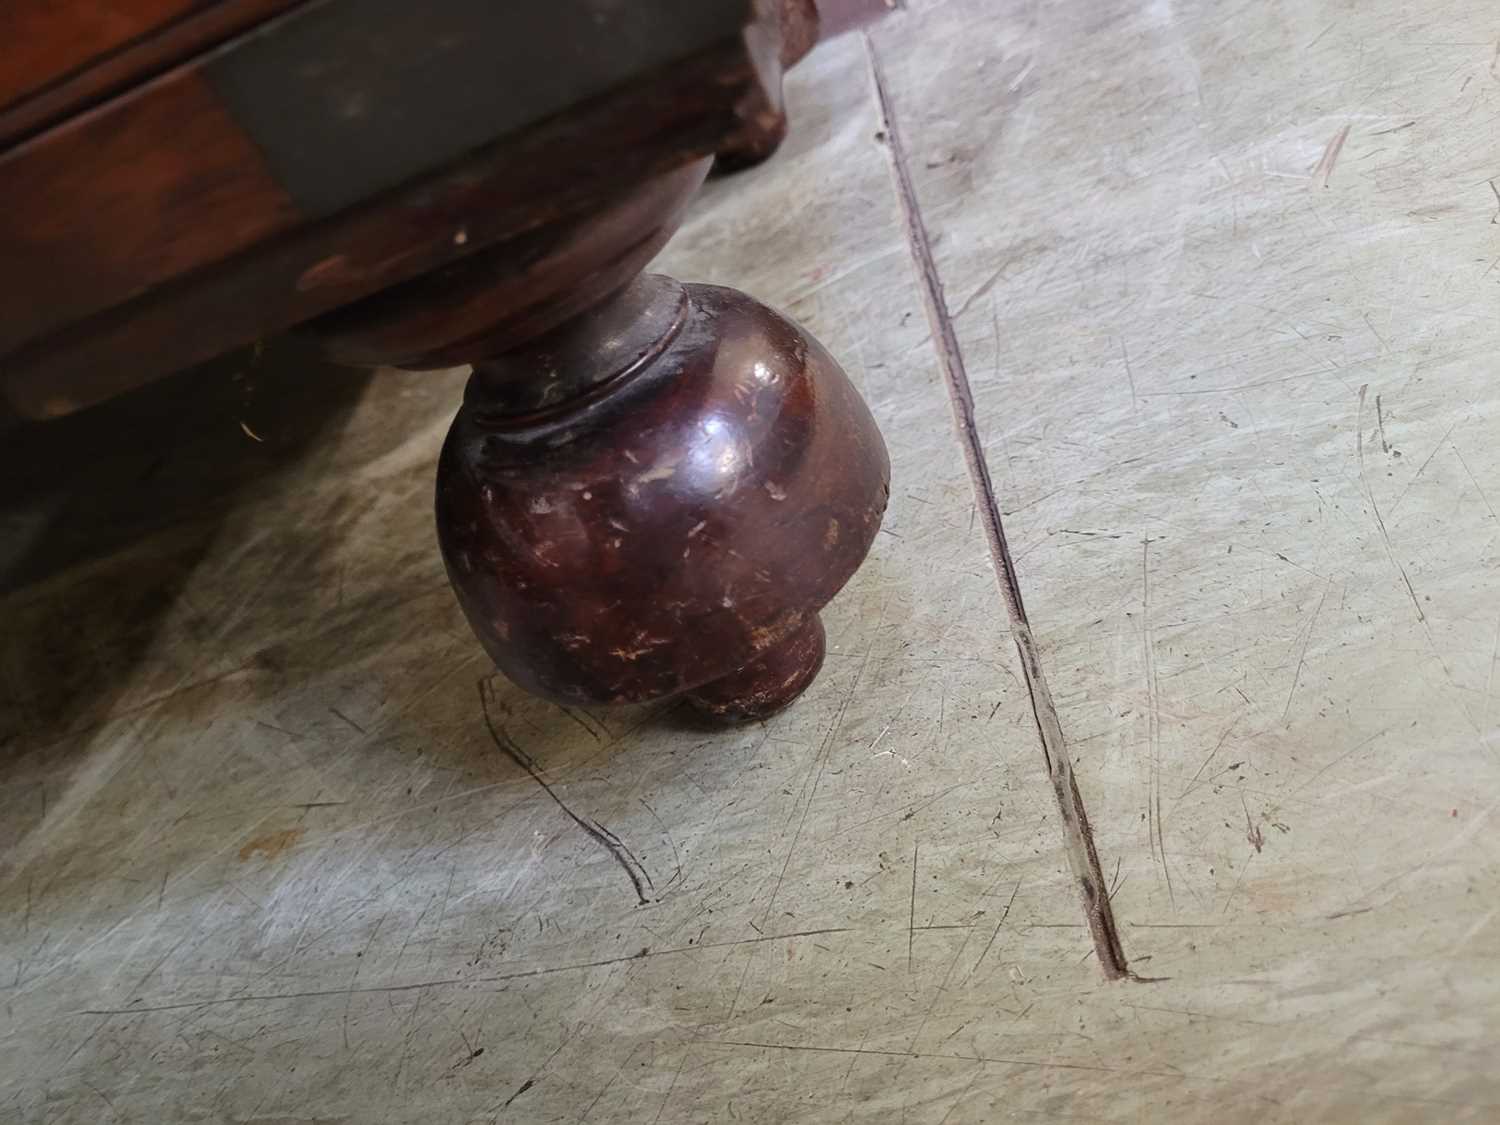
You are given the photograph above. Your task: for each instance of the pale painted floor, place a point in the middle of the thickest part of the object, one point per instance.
(1224, 281)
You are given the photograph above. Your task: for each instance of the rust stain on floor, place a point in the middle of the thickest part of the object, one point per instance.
(271, 844)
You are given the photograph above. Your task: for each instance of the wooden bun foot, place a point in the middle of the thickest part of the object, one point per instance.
(651, 488)
(656, 499)
(768, 684)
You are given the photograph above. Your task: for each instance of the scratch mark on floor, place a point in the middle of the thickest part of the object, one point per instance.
(962, 1094)
(1203, 765)
(908, 810)
(1474, 930)
(1489, 688)
(528, 1084)
(942, 987)
(984, 288)
(1331, 151)
(740, 988)
(676, 855)
(1083, 856)
(1135, 402)
(1003, 916)
(849, 1070)
(1114, 880)
(1302, 656)
(348, 720)
(1319, 37)
(1479, 488)
(113, 1112)
(888, 1053)
(670, 1089)
(815, 772)
(1234, 890)
(569, 712)
(1154, 831)
(624, 1063)
(1423, 467)
(911, 921)
(639, 879)
(1253, 833)
(451, 982)
(1358, 746)
(1385, 536)
(349, 995)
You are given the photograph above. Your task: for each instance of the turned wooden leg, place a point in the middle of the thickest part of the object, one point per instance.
(651, 488)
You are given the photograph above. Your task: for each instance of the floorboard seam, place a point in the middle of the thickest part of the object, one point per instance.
(1083, 857)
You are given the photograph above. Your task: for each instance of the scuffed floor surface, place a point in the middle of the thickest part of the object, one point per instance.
(1222, 280)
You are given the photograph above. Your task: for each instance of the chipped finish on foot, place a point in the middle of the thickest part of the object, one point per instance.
(769, 683)
(683, 515)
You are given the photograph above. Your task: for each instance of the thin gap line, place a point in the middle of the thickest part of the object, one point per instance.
(911, 924)
(1083, 857)
(454, 982)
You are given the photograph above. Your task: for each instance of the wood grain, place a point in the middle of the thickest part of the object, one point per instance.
(83, 66)
(42, 41)
(559, 168)
(112, 204)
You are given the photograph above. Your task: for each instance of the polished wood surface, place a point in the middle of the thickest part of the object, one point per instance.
(505, 295)
(707, 481)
